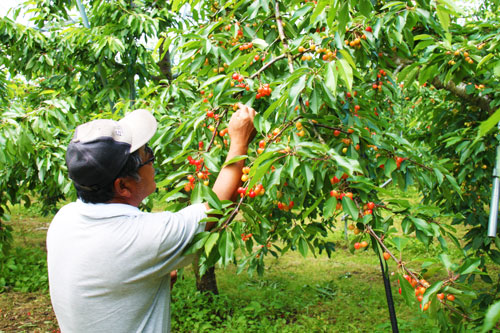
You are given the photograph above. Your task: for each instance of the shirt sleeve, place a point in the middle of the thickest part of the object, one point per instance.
(178, 232)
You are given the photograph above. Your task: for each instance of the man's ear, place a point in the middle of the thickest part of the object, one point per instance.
(122, 187)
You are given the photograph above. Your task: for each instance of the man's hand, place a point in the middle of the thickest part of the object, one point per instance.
(241, 131)
(173, 278)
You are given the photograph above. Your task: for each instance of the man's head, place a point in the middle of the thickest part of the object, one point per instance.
(106, 156)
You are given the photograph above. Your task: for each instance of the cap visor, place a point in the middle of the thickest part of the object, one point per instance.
(142, 124)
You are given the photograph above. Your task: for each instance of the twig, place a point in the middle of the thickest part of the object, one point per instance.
(217, 124)
(266, 65)
(281, 32)
(332, 128)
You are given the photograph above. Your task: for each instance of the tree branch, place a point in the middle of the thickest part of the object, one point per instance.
(459, 90)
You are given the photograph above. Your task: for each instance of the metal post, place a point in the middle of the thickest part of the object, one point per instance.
(493, 220)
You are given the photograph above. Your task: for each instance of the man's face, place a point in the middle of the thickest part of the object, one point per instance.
(147, 184)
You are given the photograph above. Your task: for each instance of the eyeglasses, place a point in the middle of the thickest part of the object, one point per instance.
(149, 151)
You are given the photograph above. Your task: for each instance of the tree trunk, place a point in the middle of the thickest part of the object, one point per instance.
(207, 282)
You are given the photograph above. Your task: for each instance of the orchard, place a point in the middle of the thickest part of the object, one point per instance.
(350, 95)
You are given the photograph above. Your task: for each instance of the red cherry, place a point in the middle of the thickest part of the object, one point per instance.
(336, 133)
(210, 114)
(369, 29)
(370, 205)
(357, 246)
(252, 194)
(291, 204)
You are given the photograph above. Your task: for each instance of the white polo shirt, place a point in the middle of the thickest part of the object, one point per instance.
(109, 265)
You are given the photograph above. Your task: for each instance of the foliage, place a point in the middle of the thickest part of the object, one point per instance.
(23, 270)
(349, 95)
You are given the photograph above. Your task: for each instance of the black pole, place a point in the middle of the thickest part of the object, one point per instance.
(388, 292)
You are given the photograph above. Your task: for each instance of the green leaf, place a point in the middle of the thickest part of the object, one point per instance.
(296, 89)
(489, 123)
(406, 290)
(329, 207)
(211, 241)
(445, 259)
(234, 160)
(197, 242)
(303, 246)
(343, 17)
(212, 80)
(308, 174)
(311, 208)
(260, 172)
(389, 167)
(345, 72)
(272, 107)
(350, 208)
(400, 243)
(226, 247)
(365, 7)
(320, 7)
(484, 60)
(431, 291)
(439, 175)
(469, 266)
(332, 12)
(211, 197)
(443, 16)
(492, 317)
(331, 77)
(348, 57)
(453, 183)
(421, 225)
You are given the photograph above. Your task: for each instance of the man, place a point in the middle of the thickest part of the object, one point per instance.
(109, 263)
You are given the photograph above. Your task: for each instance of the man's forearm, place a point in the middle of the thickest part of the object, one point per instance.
(229, 178)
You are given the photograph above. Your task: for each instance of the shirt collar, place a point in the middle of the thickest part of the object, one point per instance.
(105, 210)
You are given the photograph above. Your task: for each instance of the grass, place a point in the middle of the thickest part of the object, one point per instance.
(296, 294)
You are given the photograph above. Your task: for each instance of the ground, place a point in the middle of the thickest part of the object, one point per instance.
(296, 294)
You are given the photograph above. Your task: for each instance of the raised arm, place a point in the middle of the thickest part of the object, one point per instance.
(241, 131)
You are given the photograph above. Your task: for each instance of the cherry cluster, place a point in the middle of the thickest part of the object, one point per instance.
(245, 237)
(285, 207)
(263, 90)
(245, 46)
